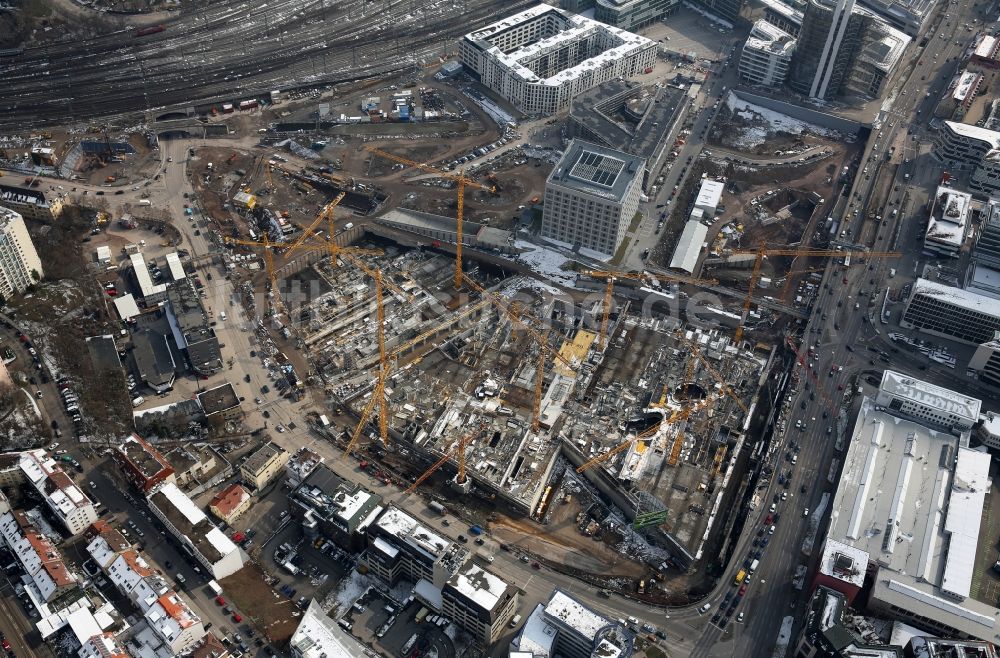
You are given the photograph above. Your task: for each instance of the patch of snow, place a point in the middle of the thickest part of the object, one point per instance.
(547, 262)
(765, 122)
(351, 588)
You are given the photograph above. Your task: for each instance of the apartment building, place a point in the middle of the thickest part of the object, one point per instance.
(264, 466)
(542, 57)
(591, 196)
(30, 203)
(633, 14)
(230, 503)
(20, 265)
(105, 645)
(480, 602)
(941, 310)
(767, 55)
(142, 465)
(64, 498)
(196, 533)
(38, 557)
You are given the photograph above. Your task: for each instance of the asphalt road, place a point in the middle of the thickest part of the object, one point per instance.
(230, 50)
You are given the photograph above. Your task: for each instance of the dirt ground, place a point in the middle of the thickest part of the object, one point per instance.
(559, 541)
(268, 611)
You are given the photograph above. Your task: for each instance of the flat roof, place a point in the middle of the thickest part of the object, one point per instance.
(930, 395)
(966, 299)
(537, 636)
(485, 589)
(260, 458)
(965, 513)
(189, 520)
(142, 276)
(991, 137)
(771, 38)
(174, 265)
(401, 525)
(987, 47)
(894, 501)
(689, 246)
(143, 456)
(966, 83)
(984, 280)
(220, 398)
(319, 635)
(791, 13)
(126, 307)
(949, 218)
(844, 562)
(710, 193)
(575, 614)
(597, 170)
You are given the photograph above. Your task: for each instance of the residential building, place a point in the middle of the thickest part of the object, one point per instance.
(209, 647)
(927, 403)
(767, 55)
(565, 626)
(542, 57)
(230, 503)
(480, 602)
(142, 465)
(104, 645)
(38, 557)
(830, 631)
(844, 51)
(195, 532)
(67, 502)
(400, 546)
(941, 310)
(221, 404)
(626, 116)
(30, 203)
(331, 507)
(688, 249)
(146, 289)
(192, 329)
(174, 622)
(948, 222)
(633, 14)
(591, 196)
(986, 361)
(19, 262)
(264, 466)
(199, 467)
(911, 498)
(303, 462)
(319, 636)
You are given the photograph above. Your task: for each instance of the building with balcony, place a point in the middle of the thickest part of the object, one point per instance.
(400, 546)
(19, 262)
(67, 502)
(767, 55)
(196, 533)
(542, 57)
(30, 203)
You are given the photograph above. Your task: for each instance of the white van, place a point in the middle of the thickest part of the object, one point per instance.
(222, 315)
(515, 621)
(137, 401)
(753, 566)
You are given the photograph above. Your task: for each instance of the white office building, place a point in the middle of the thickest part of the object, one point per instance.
(971, 148)
(591, 197)
(927, 403)
(319, 636)
(19, 262)
(565, 626)
(962, 315)
(542, 57)
(948, 223)
(911, 498)
(766, 55)
(65, 499)
(196, 533)
(480, 602)
(986, 361)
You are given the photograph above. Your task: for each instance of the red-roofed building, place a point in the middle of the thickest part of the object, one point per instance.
(142, 464)
(38, 556)
(230, 503)
(102, 646)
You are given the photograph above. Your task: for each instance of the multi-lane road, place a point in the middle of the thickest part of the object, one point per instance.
(229, 50)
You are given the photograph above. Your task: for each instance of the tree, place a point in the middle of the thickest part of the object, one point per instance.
(35, 275)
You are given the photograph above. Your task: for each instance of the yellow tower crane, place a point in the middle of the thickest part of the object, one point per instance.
(638, 276)
(378, 392)
(461, 180)
(764, 250)
(459, 450)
